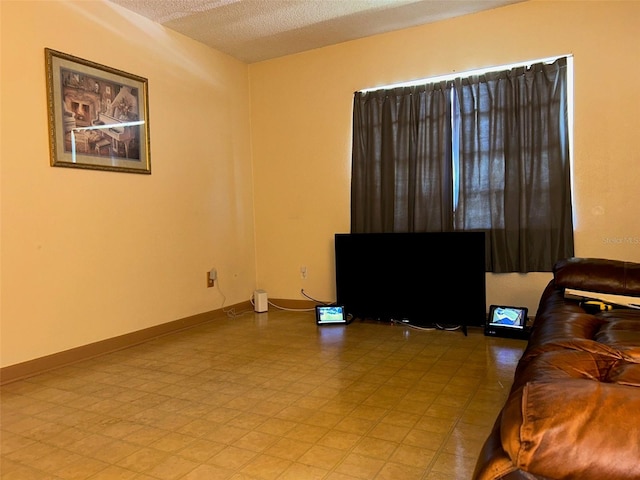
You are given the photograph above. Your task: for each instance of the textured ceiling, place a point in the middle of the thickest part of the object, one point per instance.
(256, 30)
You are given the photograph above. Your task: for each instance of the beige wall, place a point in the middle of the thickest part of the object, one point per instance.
(88, 255)
(301, 120)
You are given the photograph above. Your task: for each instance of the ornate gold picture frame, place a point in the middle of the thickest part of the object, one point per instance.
(98, 116)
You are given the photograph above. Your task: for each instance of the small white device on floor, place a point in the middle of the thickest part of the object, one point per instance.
(260, 301)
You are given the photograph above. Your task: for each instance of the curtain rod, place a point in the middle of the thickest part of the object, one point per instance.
(468, 73)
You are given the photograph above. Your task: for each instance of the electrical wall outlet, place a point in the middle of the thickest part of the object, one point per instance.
(212, 276)
(303, 272)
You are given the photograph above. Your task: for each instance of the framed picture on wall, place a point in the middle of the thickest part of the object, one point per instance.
(98, 116)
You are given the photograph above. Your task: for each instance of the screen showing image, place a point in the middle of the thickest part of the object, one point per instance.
(509, 317)
(330, 314)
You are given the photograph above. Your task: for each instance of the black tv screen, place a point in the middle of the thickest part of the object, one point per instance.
(419, 278)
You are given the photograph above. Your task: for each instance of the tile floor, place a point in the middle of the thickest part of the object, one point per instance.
(264, 396)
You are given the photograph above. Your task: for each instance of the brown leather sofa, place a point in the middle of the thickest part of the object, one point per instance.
(573, 411)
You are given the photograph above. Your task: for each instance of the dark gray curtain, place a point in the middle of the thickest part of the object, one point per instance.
(401, 174)
(514, 171)
(484, 153)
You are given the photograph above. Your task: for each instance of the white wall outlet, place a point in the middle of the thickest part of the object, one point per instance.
(303, 272)
(212, 276)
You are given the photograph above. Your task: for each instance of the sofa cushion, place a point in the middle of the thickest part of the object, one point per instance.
(625, 373)
(598, 275)
(572, 410)
(564, 363)
(573, 429)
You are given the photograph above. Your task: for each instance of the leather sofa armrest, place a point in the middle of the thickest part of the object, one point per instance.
(598, 275)
(493, 462)
(574, 429)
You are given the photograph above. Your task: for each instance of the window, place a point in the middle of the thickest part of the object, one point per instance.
(486, 152)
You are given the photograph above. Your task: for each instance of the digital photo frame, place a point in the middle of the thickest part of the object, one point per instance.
(507, 321)
(330, 315)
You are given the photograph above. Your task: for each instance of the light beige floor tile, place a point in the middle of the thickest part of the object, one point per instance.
(173, 442)
(142, 460)
(456, 466)
(289, 449)
(10, 442)
(300, 471)
(355, 425)
(395, 471)
(386, 431)
(424, 439)
(201, 450)
(261, 397)
(172, 468)
(232, 457)
(113, 472)
(256, 441)
(401, 418)
(339, 439)
(435, 424)
(209, 472)
(322, 457)
(360, 466)
(339, 476)
(419, 457)
(81, 469)
(146, 435)
(266, 467)
(306, 433)
(375, 447)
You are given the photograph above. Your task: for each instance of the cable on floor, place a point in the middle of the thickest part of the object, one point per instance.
(435, 326)
(304, 294)
(229, 312)
(410, 325)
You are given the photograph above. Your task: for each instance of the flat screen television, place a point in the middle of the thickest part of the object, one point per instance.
(418, 278)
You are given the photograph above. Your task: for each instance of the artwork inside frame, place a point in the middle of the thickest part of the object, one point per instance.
(98, 116)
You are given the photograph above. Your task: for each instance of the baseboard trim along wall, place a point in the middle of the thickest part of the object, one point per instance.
(33, 367)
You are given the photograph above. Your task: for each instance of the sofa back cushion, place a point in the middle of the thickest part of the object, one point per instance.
(598, 275)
